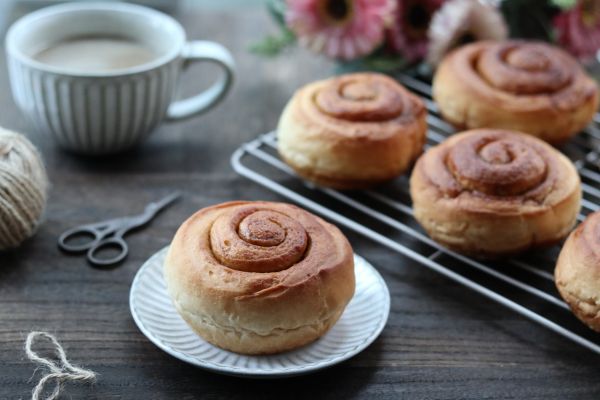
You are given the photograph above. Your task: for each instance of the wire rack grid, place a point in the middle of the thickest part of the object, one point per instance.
(524, 284)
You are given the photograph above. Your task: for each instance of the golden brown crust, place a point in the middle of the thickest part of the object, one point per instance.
(259, 277)
(352, 131)
(524, 86)
(492, 192)
(577, 273)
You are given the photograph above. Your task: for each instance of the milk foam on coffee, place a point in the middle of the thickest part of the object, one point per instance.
(95, 54)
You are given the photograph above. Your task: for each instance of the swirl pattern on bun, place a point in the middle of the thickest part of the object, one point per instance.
(577, 273)
(491, 192)
(259, 277)
(531, 87)
(353, 131)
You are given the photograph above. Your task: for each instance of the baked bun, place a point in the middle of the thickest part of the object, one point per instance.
(353, 131)
(259, 277)
(492, 192)
(577, 273)
(525, 86)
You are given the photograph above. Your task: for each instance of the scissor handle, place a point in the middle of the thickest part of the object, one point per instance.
(66, 237)
(115, 242)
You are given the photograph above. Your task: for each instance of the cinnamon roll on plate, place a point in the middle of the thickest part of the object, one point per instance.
(531, 87)
(353, 131)
(493, 192)
(259, 277)
(577, 273)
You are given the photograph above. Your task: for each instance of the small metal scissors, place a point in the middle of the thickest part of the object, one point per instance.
(109, 234)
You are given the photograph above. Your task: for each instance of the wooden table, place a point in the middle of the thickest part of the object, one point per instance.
(441, 341)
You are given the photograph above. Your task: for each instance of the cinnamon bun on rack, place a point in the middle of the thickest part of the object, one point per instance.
(493, 192)
(577, 273)
(531, 87)
(353, 131)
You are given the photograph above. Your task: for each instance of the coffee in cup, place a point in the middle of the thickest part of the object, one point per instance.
(95, 53)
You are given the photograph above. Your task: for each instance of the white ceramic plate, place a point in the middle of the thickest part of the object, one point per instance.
(360, 324)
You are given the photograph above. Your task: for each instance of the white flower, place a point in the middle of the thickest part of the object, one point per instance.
(463, 21)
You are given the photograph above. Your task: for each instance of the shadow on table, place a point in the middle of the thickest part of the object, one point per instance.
(343, 381)
(12, 259)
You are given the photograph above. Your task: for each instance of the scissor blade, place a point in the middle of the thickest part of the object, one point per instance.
(128, 223)
(156, 206)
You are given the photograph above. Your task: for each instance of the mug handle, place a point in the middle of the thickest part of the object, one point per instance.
(201, 50)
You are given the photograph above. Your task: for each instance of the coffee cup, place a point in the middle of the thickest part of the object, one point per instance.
(99, 77)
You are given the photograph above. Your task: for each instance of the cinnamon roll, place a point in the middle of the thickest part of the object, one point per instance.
(577, 273)
(353, 131)
(491, 192)
(530, 87)
(259, 277)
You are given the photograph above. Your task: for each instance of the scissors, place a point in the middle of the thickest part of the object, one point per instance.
(109, 234)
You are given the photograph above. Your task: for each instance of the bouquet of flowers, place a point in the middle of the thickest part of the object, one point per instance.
(396, 34)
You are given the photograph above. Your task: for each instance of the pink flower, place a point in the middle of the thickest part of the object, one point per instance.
(344, 29)
(408, 35)
(578, 29)
(461, 21)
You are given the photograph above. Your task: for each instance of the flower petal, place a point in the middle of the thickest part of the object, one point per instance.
(357, 35)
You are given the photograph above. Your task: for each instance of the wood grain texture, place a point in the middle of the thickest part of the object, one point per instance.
(441, 342)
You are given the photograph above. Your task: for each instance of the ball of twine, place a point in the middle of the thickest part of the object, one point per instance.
(23, 188)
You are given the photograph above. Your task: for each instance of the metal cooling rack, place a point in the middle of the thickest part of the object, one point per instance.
(384, 214)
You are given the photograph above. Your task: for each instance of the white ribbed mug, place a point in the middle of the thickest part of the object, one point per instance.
(99, 113)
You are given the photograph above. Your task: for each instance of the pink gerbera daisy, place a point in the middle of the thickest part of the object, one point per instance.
(344, 29)
(408, 35)
(579, 29)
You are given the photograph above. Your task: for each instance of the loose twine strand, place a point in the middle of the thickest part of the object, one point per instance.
(59, 373)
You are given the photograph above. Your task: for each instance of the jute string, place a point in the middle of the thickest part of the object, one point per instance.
(60, 372)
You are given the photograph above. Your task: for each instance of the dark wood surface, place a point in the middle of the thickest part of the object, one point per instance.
(441, 341)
